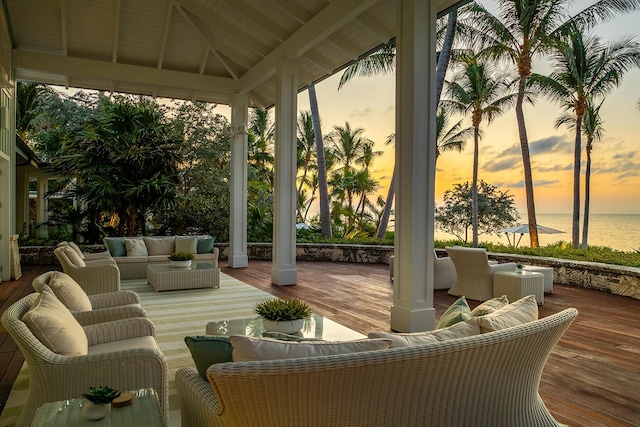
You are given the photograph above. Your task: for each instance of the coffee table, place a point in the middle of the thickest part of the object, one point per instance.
(314, 327)
(163, 277)
(518, 285)
(144, 411)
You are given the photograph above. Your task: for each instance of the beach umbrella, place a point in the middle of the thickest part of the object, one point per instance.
(524, 228)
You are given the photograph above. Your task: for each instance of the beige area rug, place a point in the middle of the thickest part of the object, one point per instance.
(176, 314)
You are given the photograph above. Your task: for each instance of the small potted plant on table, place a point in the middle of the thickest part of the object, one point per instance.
(99, 402)
(283, 315)
(181, 259)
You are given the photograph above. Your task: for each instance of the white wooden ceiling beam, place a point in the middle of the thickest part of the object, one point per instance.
(324, 23)
(116, 32)
(165, 34)
(345, 45)
(108, 71)
(294, 10)
(374, 27)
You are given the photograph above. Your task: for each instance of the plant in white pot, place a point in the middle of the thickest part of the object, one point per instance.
(181, 259)
(283, 315)
(99, 402)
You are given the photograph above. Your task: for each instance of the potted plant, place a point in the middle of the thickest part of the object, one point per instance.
(181, 259)
(519, 268)
(283, 315)
(99, 402)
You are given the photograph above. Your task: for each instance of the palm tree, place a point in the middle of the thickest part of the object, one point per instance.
(386, 211)
(260, 153)
(305, 152)
(478, 90)
(325, 214)
(592, 127)
(584, 69)
(454, 138)
(27, 107)
(523, 30)
(366, 183)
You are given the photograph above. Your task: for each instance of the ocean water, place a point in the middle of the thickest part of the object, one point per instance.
(620, 232)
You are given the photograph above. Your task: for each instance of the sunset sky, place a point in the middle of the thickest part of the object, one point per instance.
(370, 103)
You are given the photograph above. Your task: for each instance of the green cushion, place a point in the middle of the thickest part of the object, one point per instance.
(459, 311)
(490, 306)
(115, 245)
(205, 245)
(207, 350)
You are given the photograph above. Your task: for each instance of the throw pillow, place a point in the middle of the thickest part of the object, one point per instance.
(77, 249)
(160, 245)
(459, 330)
(54, 325)
(187, 244)
(135, 247)
(73, 256)
(116, 246)
(459, 311)
(205, 245)
(69, 292)
(522, 311)
(246, 349)
(207, 350)
(490, 306)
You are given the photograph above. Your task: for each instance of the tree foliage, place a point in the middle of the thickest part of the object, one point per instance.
(496, 210)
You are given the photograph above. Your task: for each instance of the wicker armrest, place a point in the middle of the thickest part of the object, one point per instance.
(112, 299)
(109, 314)
(198, 404)
(99, 261)
(119, 330)
(96, 256)
(507, 266)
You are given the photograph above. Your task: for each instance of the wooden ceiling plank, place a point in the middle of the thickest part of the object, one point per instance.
(344, 44)
(116, 32)
(212, 18)
(257, 19)
(324, 23)
(63, 27)
(323, 63)
(296, 12)
(374, 27)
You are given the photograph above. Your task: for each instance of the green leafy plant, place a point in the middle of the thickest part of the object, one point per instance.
(181, 256)
(101, 394)
(279, 309)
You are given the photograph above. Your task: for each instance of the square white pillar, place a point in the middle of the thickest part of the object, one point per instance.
(239, 154)
(284, 270)
(412, 308)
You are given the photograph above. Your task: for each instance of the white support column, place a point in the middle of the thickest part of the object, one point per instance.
(284, 270)
(412, 308)
(238, 222)
(43, 208)
(22, 201)
(5, 216)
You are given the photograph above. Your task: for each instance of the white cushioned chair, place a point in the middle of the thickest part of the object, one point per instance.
(95, 277)
(444, 272)
(474, 272)
(90, 309)
(122, 354)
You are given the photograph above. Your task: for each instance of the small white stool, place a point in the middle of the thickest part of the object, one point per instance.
(516, 285)
(547, 272)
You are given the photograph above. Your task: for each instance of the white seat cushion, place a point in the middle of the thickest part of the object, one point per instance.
(138, 342)
(54, 325)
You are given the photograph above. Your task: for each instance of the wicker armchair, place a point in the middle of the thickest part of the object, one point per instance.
(87, 256)
(474, 272)
(444, 272)
(55, 377)
(104, 307)
(486, 380)
(95, 277)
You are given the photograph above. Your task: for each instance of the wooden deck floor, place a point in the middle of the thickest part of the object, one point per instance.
(592, 378)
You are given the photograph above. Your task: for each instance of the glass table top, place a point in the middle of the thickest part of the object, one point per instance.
(316, 326)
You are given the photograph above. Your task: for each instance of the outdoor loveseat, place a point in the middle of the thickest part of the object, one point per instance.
(489, 379)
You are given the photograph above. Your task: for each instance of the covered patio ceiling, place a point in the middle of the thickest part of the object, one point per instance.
(193, 49)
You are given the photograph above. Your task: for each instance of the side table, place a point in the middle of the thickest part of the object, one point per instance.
(143, 411)
(518, 285)
(547, 272)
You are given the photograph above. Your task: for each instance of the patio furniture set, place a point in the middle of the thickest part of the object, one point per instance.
(468, 272)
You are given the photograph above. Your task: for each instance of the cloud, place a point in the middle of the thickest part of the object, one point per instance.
(625, 156)
(550, 144)
(502, 165)
(363, 113)
(555, 168)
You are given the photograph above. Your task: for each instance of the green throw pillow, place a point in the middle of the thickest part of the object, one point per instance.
(115, 245)
(490, 306)
(207, 350)
(205, 245)
(459, 311)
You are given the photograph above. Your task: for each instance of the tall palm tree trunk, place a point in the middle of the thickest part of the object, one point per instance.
(577, 154)
(445, 53)
(526, 163)
(325, 214)
(587, 195)
(386, 213)
(474, 188)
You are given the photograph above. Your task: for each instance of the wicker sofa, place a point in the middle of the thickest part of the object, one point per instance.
(157, 250)
(489, 379)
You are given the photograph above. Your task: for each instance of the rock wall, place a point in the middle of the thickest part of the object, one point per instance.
(614, 279)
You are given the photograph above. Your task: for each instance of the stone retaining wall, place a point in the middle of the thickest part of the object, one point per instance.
(614, 279)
